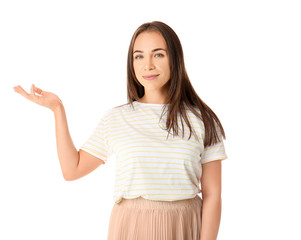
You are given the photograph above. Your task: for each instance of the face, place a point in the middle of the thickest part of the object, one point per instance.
(151, 62)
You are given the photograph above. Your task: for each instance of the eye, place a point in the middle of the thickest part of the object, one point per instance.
(160, 55)
(138, 57)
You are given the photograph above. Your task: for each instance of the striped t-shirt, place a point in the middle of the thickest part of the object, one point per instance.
(148, 164)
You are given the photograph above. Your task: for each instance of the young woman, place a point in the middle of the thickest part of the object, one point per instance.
(167, 142)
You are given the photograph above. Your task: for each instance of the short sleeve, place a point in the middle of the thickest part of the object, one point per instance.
(214, 152)
(97, 143)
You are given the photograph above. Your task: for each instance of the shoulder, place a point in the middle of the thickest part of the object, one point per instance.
(116, 110)
(123, 105)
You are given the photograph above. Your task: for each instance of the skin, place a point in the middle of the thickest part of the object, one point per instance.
(212, 202)
(38, 96)
(147, 61)
(76, 164)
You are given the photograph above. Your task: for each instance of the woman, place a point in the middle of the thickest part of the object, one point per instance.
(157, 175)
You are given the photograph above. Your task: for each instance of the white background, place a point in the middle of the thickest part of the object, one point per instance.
(243, 59)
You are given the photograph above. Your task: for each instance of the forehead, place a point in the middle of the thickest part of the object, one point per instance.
(149, 41)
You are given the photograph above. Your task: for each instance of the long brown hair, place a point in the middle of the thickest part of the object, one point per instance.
(180, 92)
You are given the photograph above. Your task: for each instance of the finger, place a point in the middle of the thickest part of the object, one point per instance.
(21, 91)
(39, 91)
(32, 90)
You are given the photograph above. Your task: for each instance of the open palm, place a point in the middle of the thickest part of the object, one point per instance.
(46, 99)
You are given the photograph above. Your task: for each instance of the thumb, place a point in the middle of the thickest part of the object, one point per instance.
(39, 91)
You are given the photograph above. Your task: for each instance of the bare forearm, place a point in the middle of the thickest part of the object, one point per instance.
(67, 153)
(211, 215)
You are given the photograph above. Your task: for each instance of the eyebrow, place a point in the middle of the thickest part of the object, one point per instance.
(154, 50)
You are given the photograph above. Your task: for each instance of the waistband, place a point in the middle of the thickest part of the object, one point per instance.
(146, 204)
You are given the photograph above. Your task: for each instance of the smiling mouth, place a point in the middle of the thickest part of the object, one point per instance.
(150, 77)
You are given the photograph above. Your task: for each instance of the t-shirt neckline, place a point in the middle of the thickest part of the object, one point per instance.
(150, 104)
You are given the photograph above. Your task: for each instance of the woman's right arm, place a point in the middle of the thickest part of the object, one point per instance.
(67, 153)
(74, 164)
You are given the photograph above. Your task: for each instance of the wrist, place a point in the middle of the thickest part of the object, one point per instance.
(59, 107)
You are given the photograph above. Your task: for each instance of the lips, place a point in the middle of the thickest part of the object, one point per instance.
(150, 77)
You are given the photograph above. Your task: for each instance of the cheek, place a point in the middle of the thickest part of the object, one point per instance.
(167, 68)
(136, 67)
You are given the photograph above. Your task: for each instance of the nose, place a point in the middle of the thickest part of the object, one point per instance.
(149, 65)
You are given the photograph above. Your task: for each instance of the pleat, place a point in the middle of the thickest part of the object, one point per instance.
(139, 219)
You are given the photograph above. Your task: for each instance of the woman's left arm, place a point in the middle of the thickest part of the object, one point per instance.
(211, 194)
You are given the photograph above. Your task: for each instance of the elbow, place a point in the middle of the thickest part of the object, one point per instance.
(68, 177)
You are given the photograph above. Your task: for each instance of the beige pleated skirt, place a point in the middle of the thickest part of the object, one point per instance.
(143, 219)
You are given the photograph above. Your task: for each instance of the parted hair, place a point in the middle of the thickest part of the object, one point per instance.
(181, 94)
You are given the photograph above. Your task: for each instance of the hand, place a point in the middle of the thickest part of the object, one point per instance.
(46, 99)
